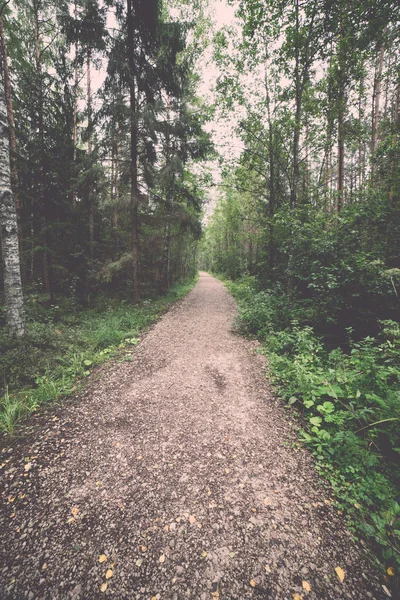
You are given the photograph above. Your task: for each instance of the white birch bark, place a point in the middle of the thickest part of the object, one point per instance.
(9, 233)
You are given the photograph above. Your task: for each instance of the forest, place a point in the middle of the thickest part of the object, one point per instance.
(113, 195)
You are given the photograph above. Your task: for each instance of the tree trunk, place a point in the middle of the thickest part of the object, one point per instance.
(9, 233)
(75, 130)
(134, 155)
(42, 184)
(376, 102)
(90, 151)
(11, 125)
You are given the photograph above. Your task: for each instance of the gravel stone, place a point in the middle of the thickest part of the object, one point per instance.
(189, 427)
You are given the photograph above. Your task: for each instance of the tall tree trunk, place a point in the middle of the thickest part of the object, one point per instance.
(134, 155)
(115, 187)
(296, 134)
(90, 152)
(42, 171)
(9, 233)
(11, 125)
(75, 129)
(376, 102)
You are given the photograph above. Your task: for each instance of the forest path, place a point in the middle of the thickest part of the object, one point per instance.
(179, 468)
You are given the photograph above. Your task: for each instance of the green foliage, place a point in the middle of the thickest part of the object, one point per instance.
(348, 403)
(59, 350)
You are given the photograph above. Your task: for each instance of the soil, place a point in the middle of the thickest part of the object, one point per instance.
(183, 470)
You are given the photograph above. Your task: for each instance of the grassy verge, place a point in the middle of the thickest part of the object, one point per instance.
(62, 345)
(349, 406)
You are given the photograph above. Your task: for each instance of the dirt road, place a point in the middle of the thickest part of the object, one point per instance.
(183, 470)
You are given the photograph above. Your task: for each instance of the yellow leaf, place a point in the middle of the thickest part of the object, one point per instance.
(109, 574)
(215, 595)
(75, 511)
(103, 587)
(390, 571)
(166, 528)
(139, 562)
(144, 549)
(340, 573)
(11, 498)
(227, 471)
(162, 558)
(297, 597)
(306, 586)
(102, 558)
(192, 519)
(252, 583)
(44, 566)
(140, 457)
(203, 554)
(28, 466)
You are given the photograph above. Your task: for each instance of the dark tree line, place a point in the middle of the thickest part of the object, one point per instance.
(103, 188)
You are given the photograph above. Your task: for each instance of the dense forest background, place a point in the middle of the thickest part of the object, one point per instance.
(108, 199)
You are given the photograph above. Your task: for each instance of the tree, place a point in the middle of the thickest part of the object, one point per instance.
(9, 232)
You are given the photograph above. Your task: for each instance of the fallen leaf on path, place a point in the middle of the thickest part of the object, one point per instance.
(109, 574)
(232, 554)
(44, 566)
(192, 519)
(103, 587)
(11, 498)
(227, 471)
(203, 554)
(390, 571)
(28, 467)
(386, 591)
(143, 549)
(139, 562)
(102, 558)
(267, 568)
(306, 586)
(166, 528)
(297, 597)
(162, 558)
(215, 595)
(267, 502)
(140, 457)
(252, 583)
(75, 511)
(340, 573)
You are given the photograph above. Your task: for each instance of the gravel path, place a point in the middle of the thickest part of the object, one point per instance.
(182, 470)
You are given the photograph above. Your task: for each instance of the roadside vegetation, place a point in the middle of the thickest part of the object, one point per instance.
(64, 342)
(348, 403)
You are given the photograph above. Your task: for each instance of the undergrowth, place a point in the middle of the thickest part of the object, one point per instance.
(62, 345)
(349, 406)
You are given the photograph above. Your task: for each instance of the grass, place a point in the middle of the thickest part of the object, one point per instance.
(63, 343)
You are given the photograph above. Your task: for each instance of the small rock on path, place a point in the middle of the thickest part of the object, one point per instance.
(178, 468)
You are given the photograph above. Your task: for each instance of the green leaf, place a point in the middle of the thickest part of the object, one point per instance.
(87, 363)
(316, 421)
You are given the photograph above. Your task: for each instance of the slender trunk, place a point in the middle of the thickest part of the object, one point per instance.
(115, 217)
(375, 104)
(75, 131)
(90, 152)
(296, 134)
(134, 156)
(42, 171)
(9, 233)
(271, 204)
(11, 125)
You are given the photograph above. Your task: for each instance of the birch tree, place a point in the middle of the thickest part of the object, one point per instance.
(9, 232)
